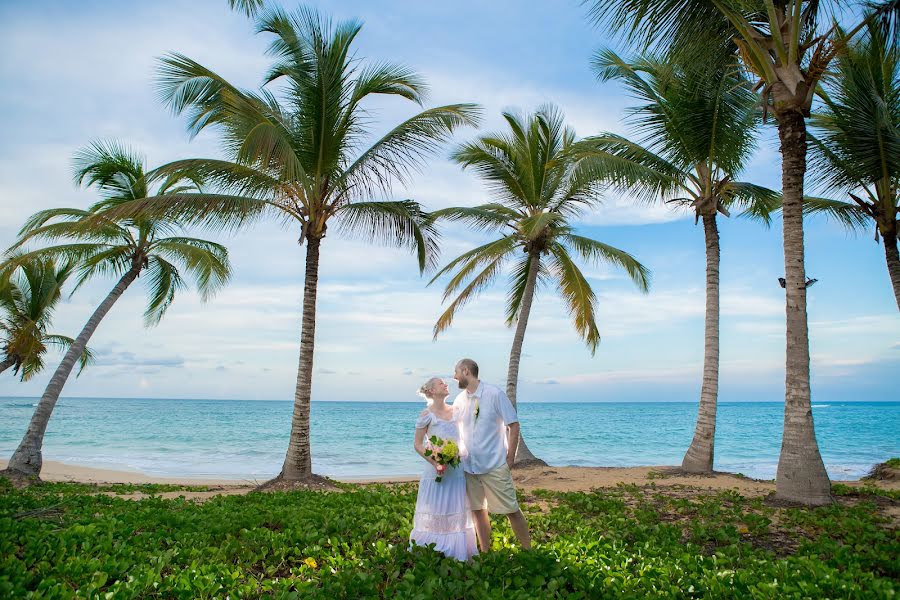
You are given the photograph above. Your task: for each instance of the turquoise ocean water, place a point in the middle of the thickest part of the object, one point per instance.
(234, 439)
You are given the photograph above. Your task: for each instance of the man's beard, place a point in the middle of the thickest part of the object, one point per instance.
(463, 384)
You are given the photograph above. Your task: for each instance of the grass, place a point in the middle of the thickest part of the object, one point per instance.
(68, 540)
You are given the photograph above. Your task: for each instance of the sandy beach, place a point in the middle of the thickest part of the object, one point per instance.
(564, 479)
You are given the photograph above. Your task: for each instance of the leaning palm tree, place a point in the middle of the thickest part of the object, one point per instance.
(788, 45)
(697, 130)
(856, 146)
(123, 248)
(540, 187)
(29, 293)
(299, 157)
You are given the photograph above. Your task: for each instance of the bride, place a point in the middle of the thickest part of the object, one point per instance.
(442, 514)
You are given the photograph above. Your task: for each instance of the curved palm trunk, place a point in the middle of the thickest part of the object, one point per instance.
(699, 456)
(27, 459)
(298, 461)
(893, 263)
(523, 454)
(7, 363)
(801, 475)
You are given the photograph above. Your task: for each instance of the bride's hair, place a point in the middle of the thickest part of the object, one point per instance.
(426, 389)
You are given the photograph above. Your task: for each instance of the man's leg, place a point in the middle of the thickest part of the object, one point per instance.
(483, 529)
(520, 528)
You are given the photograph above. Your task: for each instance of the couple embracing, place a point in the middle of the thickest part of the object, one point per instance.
(454, 501)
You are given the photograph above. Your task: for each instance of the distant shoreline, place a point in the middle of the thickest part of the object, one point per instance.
(418, 401)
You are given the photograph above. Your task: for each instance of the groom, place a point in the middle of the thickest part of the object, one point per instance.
(490, 430)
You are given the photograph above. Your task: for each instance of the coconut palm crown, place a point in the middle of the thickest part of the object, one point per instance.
(855, 146)
(541, 186)
(124, 248)
(29, 294)
(299, 151)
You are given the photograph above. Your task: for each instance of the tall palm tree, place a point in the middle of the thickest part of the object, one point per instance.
(788, 45)
(300, 158)
(697, 131)
(29, 293)
(123, 248)
(540, 186)
(855, 148)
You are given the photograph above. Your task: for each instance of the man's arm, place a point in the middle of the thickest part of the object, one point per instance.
(512, 442)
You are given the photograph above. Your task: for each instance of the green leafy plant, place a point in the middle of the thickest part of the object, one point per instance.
(627, 541)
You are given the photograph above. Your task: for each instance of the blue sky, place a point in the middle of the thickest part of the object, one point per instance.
(71, 73)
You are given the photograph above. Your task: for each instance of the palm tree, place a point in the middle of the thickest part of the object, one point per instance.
(29, 293)
(788, 45)
(540, 186)
(698, 131)
(123, 248)
(299, 157)
(856, 146)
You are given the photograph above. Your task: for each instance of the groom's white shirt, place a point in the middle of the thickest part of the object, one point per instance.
(484, 436)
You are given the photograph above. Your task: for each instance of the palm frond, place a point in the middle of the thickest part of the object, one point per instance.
(403, 150)
(219, 212)
(578, 295)
(486, 217)
(163, 281)
(62, 342)
(755, 201)
(390, 79)
(682, 26)
(248, 7)
(598, 252)
(225, 176)
(850, 215)
(538, 225)
(206, 262)
(855, 144)
(185, 85)
(630, 167)
(109, 261)
(115, 170)
(492, 157)
(474, 287)
(400, 223)
(518, 280)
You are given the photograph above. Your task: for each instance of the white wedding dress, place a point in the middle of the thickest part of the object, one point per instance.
(442, 508)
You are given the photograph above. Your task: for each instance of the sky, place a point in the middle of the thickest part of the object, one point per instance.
(71, 73)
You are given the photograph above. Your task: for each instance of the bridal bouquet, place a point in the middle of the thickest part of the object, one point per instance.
(444, 452)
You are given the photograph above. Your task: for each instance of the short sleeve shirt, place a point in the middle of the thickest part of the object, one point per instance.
(484, 434)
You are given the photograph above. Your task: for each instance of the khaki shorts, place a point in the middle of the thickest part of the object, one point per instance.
(493, 490)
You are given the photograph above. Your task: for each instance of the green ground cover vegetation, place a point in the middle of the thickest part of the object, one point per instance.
(76, 540)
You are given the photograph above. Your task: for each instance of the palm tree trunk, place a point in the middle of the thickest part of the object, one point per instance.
(523, 454)
(298, 461)
(7, 363)
(27, 459)
(699, 456)
(801, 475)
(893, 263)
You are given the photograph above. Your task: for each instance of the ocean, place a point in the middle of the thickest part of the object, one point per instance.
(246, 440)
